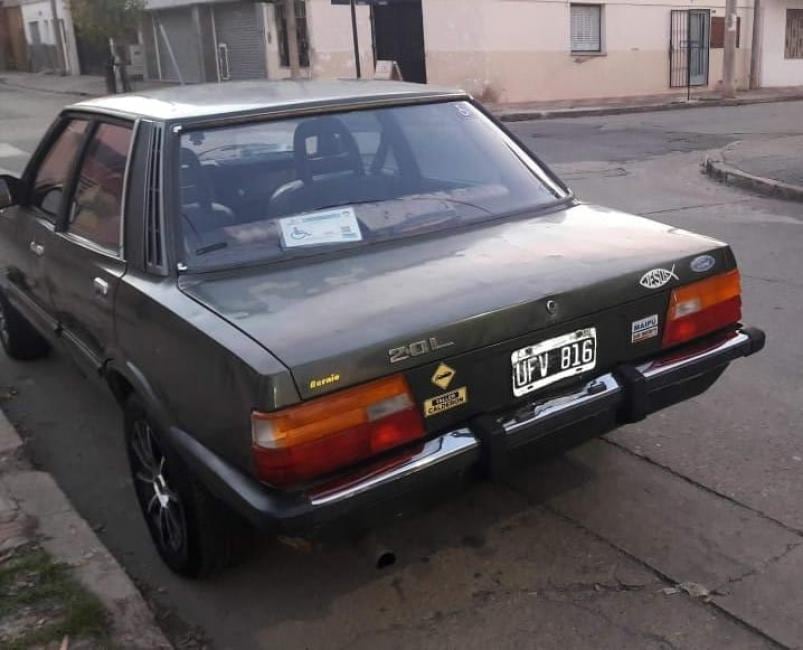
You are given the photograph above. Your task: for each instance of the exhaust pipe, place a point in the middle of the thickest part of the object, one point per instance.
(380, 555)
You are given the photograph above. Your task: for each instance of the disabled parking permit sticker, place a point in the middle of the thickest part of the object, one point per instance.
(644, 328)
(338, 226)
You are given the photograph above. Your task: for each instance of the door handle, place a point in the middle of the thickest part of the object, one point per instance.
(36, 249)
(101, 287)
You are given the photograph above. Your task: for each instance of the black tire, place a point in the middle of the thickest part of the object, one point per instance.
(19, 338)
(195, 534)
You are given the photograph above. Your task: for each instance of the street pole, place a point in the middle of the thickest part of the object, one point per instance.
(62, 63)
(729, 61)
(292, 38)
(755, 47)
(356, 38)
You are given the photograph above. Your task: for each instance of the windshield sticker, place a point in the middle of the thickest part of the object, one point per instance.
(657, 278)
(339, 226)
(644, 328)
(445, 402)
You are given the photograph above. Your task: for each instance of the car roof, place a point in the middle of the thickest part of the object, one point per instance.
(219, 100)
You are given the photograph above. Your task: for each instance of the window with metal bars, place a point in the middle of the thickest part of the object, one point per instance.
(794, 34)
(586, 28)
(301, 30)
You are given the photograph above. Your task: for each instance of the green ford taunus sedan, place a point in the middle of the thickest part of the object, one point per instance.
(318, 302)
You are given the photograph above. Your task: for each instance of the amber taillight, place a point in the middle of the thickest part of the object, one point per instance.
(303, 442)
(703, 307)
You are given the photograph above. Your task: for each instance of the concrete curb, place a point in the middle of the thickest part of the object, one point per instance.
(592, 111)
(70, 540)
(721, 171)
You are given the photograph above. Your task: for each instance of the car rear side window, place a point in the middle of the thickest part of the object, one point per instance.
(96, 210)
(54, 171)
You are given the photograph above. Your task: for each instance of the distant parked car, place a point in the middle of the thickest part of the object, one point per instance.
(316, 300)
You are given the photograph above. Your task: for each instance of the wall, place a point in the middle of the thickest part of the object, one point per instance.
(519, 50)
(40, 12)
(331, 42)
(775, 69)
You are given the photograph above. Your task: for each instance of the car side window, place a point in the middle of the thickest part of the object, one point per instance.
(97, 207)
(54, 171)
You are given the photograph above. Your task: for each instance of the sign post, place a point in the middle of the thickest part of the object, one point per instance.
(356, 38)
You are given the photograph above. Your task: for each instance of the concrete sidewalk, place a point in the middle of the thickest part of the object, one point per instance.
(81, 85)
(639, 104)
(34, 510)
(771, 167)
(94, 86)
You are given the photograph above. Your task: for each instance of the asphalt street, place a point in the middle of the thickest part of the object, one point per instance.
(578, 551)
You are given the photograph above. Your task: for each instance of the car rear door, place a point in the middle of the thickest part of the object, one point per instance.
(85, 260)
(28, 229)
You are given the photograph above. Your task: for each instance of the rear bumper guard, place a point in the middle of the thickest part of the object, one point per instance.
(627, 394)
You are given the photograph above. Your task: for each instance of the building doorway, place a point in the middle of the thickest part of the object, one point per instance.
(399, 36)
(689, 44)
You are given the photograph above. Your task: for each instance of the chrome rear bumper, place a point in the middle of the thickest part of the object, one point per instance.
(625, 394)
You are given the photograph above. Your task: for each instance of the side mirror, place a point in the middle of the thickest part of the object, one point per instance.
(10, 191)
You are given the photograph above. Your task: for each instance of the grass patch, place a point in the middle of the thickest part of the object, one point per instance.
(41, 602)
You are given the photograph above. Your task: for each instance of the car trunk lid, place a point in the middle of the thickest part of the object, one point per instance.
(470, 298)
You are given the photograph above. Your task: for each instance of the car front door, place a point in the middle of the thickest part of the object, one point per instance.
(28, 229)
(85, 259)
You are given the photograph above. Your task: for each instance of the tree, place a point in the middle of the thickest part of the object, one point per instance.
(100, 20)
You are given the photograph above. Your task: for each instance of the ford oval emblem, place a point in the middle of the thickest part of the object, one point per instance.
(702, 263)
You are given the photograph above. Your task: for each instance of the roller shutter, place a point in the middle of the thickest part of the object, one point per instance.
(239, 28)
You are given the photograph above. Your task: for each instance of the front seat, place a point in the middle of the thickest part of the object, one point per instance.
(326, 169)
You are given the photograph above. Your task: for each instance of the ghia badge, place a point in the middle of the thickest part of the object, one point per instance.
(657, 278)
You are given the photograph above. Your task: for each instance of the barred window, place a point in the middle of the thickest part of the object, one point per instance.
(794, 34)
(586, 28)
(301, 30)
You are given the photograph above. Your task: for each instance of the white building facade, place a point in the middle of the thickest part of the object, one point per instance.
(40, 34)
(781, 29)
(505, 51)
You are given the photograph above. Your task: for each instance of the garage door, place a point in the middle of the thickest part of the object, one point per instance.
(174, 29)
(239, 28)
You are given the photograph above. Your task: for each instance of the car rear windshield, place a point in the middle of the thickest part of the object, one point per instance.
(269, 190)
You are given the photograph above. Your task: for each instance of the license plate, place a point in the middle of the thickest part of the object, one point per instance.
(544, 363)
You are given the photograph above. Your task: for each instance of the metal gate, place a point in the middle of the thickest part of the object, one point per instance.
(177, 49)
(399, 36)
(689, 41)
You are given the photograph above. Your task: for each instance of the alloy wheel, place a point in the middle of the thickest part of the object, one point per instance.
(160, 502)
(3, 324)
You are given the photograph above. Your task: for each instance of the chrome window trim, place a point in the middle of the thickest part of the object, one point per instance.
(119, 253)
(126, 175)
(91, 245)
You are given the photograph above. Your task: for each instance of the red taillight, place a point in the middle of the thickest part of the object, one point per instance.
(306, 441)
(703, 307)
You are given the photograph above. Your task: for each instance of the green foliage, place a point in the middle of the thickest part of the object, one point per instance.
(100, 20)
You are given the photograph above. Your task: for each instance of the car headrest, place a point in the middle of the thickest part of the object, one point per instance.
(333, 150)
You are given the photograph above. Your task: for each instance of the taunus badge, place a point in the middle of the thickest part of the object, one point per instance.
(657, 278)
(702, 263)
